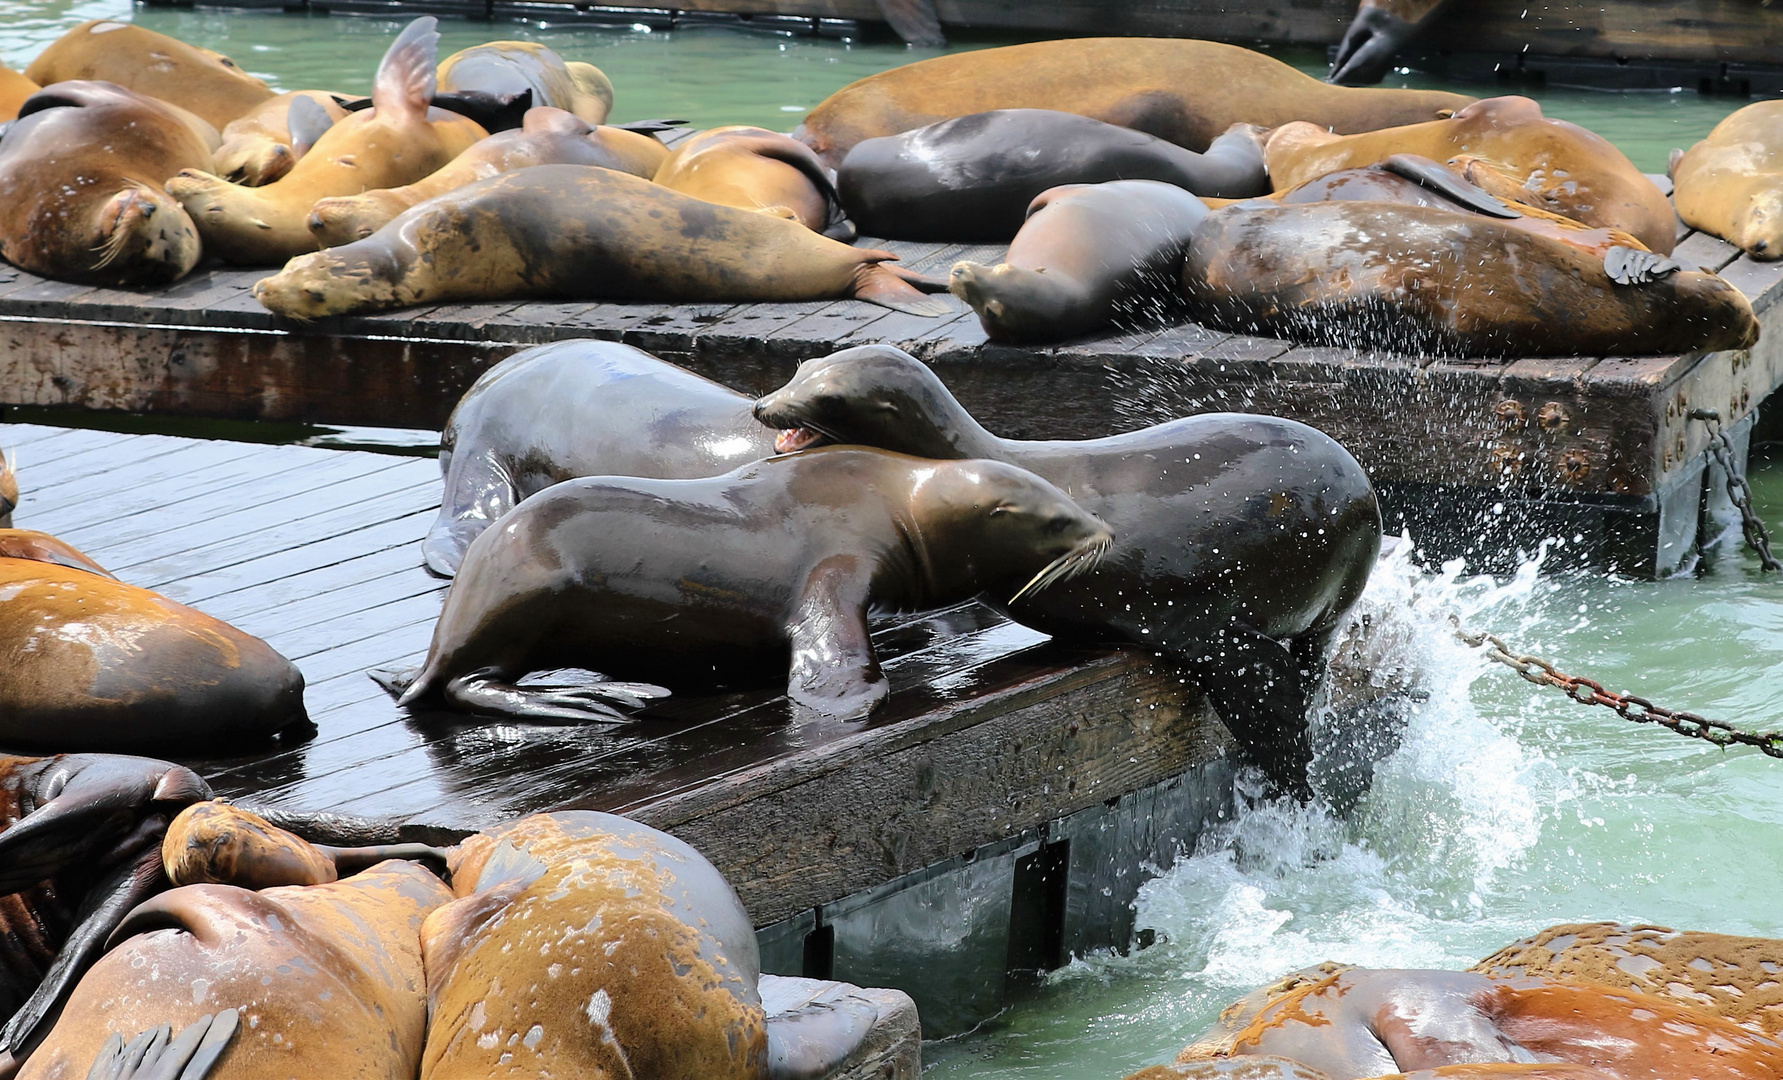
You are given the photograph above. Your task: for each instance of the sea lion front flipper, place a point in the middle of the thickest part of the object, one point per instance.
(484, 691)
(879, 284)
(406, 80)
(1628, 266)
(1671, 161)
(1257, 686)
(479, 489)
(1435, 176)
(916, 21)
(648, 127)
(307, 120)
(833, 667)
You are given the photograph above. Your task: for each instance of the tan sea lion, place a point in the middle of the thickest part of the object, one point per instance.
(1731, 184)
(397, 142)
(1380, 29)
(262, 144)
(42, 547)
(1420, 280)
(549, 136)
(1559, 166)
(574, 231)
(202, 81)
(1182, 90)
(14, 89)
(80, 186)
(216, 843)
(501, 69)
(756, 169)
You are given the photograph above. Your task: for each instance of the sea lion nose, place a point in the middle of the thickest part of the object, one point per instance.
(760, 409)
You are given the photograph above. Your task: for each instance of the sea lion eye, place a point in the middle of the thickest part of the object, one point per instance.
(1058, 525)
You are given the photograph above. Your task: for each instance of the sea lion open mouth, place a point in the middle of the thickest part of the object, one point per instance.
(798, 438)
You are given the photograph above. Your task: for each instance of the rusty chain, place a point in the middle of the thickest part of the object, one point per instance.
(1738, 491)
(1628, 706)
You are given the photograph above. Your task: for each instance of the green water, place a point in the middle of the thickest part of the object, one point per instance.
(1506, 810)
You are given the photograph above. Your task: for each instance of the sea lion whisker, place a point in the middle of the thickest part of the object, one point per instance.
(113, 245)
(1074, 562)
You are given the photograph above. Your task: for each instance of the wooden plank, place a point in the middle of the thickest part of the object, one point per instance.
(1699, 249)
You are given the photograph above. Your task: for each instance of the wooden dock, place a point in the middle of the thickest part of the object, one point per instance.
(1014, 785)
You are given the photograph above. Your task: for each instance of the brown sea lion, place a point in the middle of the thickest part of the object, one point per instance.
(1419, 280)
(216, 843)
(80, 187)
(1731, 184)
(1380, 29)
(397, 142)
(42, 547)
(1241, 542)
(506, 68)
(1090, 256)
(205, 82)
(14, 89)
(1560, 166)
(548, 137)
(575, 231)
(262, 144)
(1182, 90)
(9, 489)
(756, 169)
(719, 580)
(579, 408)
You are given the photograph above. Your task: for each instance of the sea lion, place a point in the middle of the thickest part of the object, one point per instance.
(1182, 90)
(1419, 280)
(1248, 1068)
(1090, 255)
(1380, 29)
(81, 171)
(575, 231)
(42, 547)
(9, 490)
(1731, 184)
(1558, 166)
(94, 664)
(507, 68)
(202, 81)
(548, 137)
(1240, 541)
(216, 843)
(14, 89)
(756, 169)
(579, 408)
(262, 144)
(397, 142)
(490, 113)
(327, 978)
(719, 579)
(972, 179)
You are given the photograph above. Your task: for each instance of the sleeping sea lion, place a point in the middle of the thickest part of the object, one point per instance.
(972, 179)
(216, 843)
(548, 137)
(719, 579)
(505, 69)
(1557, 166)
(262, 144)
(1182, 90)
(574, 231)
(14, 89)
(81, 171)
(1090, 255)
(756, 169)
(579, 408)
(1240, 542)
(1419, 280)
(202, 81)
(1731, 184)
(397, 142)
(1380, 29)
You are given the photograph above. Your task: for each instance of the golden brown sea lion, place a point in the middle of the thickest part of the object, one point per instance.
(548, 137)
(14, 89)
(396, 142)
(262, 144)
(1181, 90)
(502, 69)
(1731, 184)
(80, 186)
(1559, 166)
(42, 547)
(216, 843)
(752, 168)
(154, 64)
(575, 231)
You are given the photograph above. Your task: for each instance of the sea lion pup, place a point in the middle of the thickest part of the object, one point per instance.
(1731, 184)
(207, 83)
(94, 664)
(397, 142)
(1182, 90)
(1419, 280)
(579, 408)
(1559, 166)
(1380, 29)
(719, 579)
(1240, 541)
(1090, 255)
(506, 69)
(574, 231)
(756, 169)
(262, 144)
(14, 89)
(974, 178)
(80, 186)
(548, 137)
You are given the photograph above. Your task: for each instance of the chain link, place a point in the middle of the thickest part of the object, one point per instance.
(1628, 706)
(1738, 490)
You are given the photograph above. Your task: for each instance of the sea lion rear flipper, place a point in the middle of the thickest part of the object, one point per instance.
(307, 120)
(1437, 177)
(813, 1033)
(406, 79)
(394, 680)
(916, 21)
(1627, 266)
(484, 691)
(1671, 161)
(879, 284)
(833, 667)
(190, 1055)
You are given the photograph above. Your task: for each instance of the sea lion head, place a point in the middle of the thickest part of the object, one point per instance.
(873, 395)
(331, 282)
(1759, 227)
(1710, 309)
(9, 490)
(1016, 303)
(216, 843)
(142, 236)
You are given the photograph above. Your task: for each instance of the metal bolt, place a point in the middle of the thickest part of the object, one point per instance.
(1509, 413)
(1553, 416)
(1574, 466)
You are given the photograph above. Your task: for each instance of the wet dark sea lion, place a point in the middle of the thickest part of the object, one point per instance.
(1731, 183)
(1185, 91)
(138, 59)
(80, 187)
(580, 408)
(1238, 540)
(1090, 255)
(721, 579)
(753, 168)
(973, 178)
(1380, 29)
(574, 231)
(506, 69)
(1419, 280)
